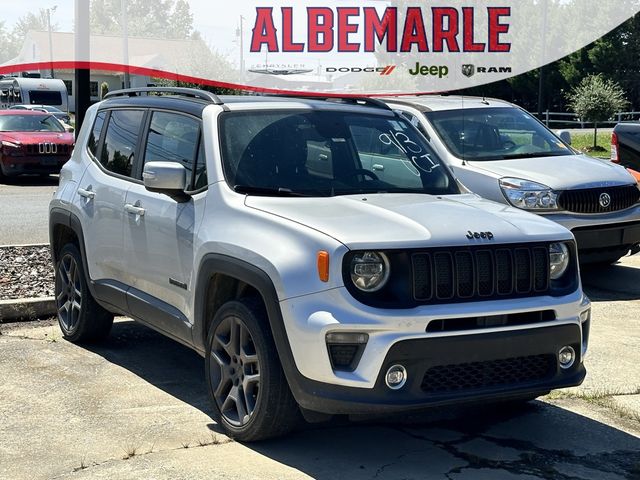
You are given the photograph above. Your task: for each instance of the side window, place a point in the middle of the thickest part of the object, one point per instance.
(94, 137)
(119, 146)
(173, 138)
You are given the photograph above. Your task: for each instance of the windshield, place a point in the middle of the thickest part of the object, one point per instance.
(50, 109)
(313, 153)
(495, 134)
(29, 123)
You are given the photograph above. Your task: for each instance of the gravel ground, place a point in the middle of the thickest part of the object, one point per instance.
(25, 272)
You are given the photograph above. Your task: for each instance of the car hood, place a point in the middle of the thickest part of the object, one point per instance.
(37, 137)
(560, 173)
(411, 220)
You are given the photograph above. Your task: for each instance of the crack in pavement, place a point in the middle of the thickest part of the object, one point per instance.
(215, 441)
(534, 460)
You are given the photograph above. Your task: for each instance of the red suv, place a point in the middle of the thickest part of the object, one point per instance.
(32, 142)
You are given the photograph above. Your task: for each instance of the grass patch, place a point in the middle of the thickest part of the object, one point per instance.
(601, 397)
(584, 142)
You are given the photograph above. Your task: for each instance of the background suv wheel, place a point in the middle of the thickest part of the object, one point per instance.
(80, 317)
(250, 394)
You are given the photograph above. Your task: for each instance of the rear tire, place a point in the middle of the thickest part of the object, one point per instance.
(250, 394)
(81, 318)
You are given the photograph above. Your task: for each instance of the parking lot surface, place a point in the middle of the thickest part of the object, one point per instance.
(136, 407)
(25, 209)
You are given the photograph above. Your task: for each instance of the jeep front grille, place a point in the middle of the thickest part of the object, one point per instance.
(468, 274)
(493, 373)
(47, 148)
(588, 200)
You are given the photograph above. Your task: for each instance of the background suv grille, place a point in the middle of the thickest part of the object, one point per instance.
(478, 375)
(48, 149)
(588, 200)
(476, 274)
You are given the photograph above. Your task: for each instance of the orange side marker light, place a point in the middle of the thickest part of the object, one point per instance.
(323, 266)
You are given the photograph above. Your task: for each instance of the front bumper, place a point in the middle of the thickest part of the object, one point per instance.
(41, 164)
(460, 369)
(400, 336)
(611, 231)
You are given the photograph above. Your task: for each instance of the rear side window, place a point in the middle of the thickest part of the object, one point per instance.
(94, 136)
(39, 97)
(121, 138)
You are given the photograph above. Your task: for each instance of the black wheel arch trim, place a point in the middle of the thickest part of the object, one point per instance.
(213, 264)
(60, 216)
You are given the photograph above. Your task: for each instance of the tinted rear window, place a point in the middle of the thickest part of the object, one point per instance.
(121, 138)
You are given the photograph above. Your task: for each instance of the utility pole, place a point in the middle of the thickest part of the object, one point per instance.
(240, 35)
(82, 78)
(49, 11)
(543, 60)
(125, 43)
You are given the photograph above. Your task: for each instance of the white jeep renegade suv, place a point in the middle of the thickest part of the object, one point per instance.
(248, 229)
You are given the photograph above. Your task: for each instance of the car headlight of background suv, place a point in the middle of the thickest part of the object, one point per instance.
(529, 195)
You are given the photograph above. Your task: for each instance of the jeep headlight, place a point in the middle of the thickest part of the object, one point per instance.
(528, 195)
(369, 271)
(558, 260)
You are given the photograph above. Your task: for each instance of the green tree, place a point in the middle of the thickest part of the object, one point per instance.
(145, 18)
(11, 41)
(104, 89)
(6, 48)
(596, 100)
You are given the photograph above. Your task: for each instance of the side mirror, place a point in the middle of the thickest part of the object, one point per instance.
(165, 177)
(68, 128)
(565, 136)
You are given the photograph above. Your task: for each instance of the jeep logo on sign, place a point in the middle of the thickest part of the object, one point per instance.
(479, 235)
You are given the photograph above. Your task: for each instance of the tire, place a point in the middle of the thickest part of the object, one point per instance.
(248, 389)
(80, 317)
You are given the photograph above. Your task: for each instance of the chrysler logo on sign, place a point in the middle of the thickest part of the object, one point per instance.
(605, 200)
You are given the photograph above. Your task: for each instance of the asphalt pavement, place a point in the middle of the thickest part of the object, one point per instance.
(24, 204)
(136, 407)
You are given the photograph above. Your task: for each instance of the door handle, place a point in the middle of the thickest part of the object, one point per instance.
(378, 168)
(88, 194)
(134, 210)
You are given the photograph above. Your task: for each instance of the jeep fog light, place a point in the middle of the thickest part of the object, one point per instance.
(566, 357)
(558, 260)
(370, 271)
(345, 349)
(396, 377)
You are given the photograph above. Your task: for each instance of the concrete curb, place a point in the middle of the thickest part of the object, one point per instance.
(26, 309)
(26, 245)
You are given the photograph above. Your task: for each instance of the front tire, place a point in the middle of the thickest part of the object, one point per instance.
(250, 395)
(80, 317)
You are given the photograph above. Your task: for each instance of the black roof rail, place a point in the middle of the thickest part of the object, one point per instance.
(365, 101)
(183, 92)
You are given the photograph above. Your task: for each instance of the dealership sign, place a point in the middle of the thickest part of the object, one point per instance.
(341, 47)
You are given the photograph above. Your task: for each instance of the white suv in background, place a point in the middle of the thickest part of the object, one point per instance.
(503, 153)
(252, 230)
